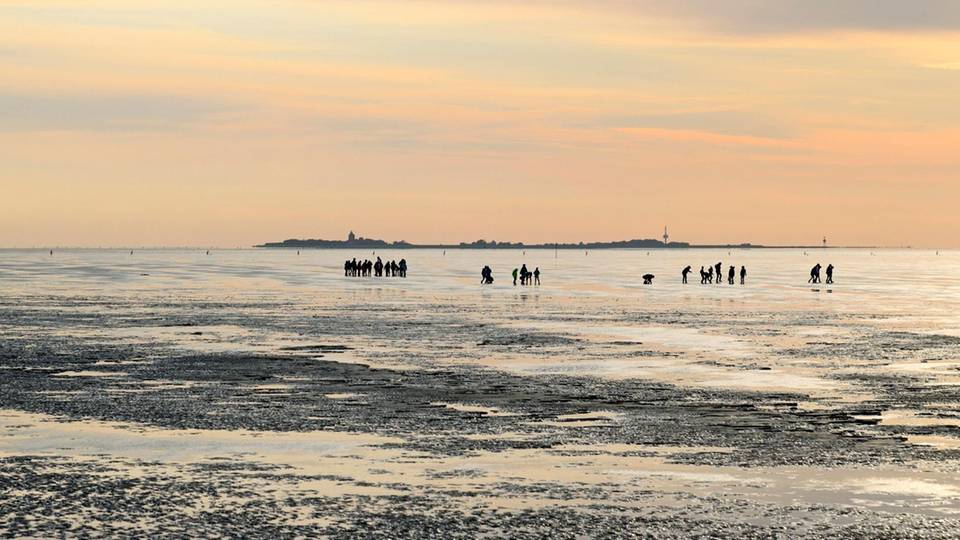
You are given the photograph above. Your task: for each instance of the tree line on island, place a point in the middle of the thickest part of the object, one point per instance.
(354, 241)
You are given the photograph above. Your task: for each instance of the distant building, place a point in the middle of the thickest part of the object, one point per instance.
(351, 237)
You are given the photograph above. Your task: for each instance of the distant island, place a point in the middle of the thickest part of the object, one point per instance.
(354, 241)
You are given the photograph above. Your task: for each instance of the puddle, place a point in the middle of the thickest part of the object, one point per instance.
(480, 409)
(90, 373)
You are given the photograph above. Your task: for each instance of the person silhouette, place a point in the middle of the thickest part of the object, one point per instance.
(346, 268)
(829, 273)
(731, 273)
(378, 268)
(486, 275)
(743, 274)
(814, 274)
(719, 272)
(710, 275)
(703, 275)
(536, 276)
(648, 279)
(403, 268)
(524, 274)
(685, 272)
(515, 276)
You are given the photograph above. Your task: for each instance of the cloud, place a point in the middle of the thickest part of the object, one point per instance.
(788, 16)
(953, 66)
(22, 112)
(720, 122)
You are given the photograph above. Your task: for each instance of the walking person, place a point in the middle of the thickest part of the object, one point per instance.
(743, 274)
(719, 272)
(731, 274)
(830, 273)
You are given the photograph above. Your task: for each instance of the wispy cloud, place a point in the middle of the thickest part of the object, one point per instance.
(772, 16)
(75, 112)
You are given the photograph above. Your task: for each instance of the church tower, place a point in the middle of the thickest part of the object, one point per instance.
(351, 237)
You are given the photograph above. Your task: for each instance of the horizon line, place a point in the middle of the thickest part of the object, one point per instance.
(565, 246)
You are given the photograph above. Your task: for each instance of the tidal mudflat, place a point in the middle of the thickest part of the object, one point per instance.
(261, 394)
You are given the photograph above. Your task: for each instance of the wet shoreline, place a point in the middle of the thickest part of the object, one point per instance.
(295, 417)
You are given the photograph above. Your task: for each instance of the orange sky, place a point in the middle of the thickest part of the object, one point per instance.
(147, 123)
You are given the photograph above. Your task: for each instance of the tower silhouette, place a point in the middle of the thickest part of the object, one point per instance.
(666, 237)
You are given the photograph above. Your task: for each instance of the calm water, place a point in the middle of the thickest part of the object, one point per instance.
(908, 282)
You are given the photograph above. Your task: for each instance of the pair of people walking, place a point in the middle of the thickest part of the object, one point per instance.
(815, 274)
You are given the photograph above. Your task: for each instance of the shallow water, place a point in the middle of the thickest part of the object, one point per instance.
(690, 334)
(782, 375)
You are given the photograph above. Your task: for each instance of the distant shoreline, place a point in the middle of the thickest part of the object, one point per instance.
(571, 248)
(364, 243)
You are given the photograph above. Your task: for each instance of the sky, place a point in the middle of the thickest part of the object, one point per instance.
(231, 123)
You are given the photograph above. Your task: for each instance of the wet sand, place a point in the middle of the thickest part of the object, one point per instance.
(411, 414)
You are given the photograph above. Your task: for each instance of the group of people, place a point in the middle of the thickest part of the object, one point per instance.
(815, 273)
(710, 273)
(527, 277)
(366, 268)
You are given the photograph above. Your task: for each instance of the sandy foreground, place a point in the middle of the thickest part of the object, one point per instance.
(407, 415)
